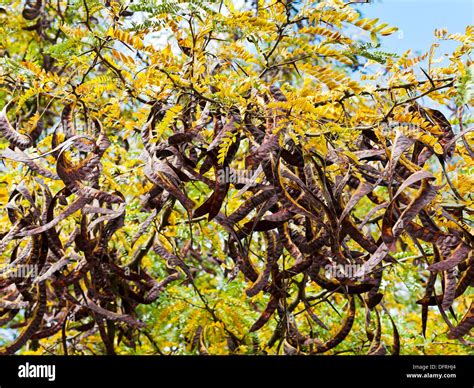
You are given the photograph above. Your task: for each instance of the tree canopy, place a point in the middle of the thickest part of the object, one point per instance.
(207, 177)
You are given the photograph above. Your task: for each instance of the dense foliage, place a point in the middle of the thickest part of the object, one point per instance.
(186, 177)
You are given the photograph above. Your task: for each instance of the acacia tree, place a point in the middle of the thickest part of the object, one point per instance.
(193, 177)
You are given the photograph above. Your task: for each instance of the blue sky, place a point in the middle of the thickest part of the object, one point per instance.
(417, 20)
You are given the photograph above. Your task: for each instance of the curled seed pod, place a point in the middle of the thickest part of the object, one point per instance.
(31, 9)
(15, 138)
